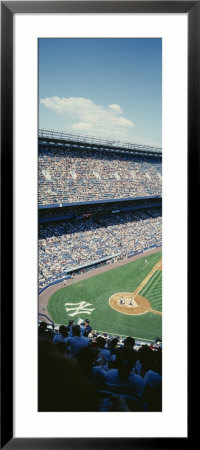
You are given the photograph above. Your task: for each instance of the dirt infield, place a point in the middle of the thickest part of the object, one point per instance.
(142, 304)
(133, 303)
(45, 295)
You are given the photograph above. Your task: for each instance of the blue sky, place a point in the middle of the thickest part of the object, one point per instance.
(102, 87)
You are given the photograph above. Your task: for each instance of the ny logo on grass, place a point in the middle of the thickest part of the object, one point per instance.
(79, 308)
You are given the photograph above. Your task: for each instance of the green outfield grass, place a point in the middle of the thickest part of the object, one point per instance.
(97, 291)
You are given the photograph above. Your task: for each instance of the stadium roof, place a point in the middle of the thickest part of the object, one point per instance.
(59, 135)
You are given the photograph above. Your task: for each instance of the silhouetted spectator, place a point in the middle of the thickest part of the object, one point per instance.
(76, 342)
(86, 328)
(69, 327)
(61, 336)
(122, 379)
(61, 386)
(101, 342)
(44, 331)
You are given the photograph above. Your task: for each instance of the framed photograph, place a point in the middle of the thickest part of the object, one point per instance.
(99, 139)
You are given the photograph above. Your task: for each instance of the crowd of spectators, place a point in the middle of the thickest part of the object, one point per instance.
(85, 371)
(77, 175)
(68, 245)
(85, 210)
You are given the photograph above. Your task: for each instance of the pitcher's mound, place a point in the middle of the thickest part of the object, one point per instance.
(125, 303)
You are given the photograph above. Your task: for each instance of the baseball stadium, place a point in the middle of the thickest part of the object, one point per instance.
(100, 268)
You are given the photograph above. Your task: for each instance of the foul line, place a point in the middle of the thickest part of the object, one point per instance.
(144, 282)
(150, 309)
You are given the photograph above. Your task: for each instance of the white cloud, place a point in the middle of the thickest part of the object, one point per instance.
(97, 119)
(82, 126)
(115, 107)
(122, 122)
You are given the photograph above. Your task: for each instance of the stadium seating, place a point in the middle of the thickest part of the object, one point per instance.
(66, 246)
(77, 175)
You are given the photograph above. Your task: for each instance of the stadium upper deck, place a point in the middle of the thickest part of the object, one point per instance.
(53, 137)
(74, 168)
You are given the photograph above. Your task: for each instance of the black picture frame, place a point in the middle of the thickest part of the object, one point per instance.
(8, 9)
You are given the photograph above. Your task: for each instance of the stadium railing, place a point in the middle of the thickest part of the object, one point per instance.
(48, 318)
(60, 135)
